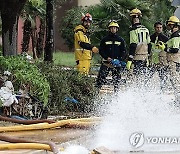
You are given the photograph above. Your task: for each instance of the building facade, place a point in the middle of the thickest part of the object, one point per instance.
(59, 14)
(86, 3)
(176, 3)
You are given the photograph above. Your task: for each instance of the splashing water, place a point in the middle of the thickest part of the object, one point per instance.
(137, 110)
(75, 149)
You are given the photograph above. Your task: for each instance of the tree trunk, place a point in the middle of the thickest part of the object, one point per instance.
(34, 42)
(10, 11)
(26, 35)
(9, 33)
(40, 40)
(49, 46)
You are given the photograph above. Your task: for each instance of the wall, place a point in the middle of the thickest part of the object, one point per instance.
(86, 3)
(60, 12)
(20, 34)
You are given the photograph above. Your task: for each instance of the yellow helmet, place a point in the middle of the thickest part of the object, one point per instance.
(113, 24)
(135, 12)
(173, 20)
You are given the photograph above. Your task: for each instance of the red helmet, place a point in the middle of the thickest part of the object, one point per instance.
(86, 17)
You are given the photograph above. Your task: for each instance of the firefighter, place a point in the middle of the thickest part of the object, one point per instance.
(112, 49)
(140, 46)
(158, 58)
(172, 48)
(83, 46)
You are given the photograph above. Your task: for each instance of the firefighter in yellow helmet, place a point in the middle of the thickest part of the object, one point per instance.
(135, 12)
(172, 48)
(112, 49)
(83, 46)
(140, 46)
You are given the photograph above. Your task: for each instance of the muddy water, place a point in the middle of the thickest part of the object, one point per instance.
(58, 136)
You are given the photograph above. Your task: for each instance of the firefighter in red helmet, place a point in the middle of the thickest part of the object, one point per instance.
(83, 46)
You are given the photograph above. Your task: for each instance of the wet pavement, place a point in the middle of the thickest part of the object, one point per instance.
(55, 135)
(58, 136)
(63, 137)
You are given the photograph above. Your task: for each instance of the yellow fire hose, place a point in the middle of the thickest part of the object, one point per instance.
(36, 146)
(78, 123)
(52, 145)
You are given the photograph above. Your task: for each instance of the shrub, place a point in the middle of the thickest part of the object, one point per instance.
(69, 83)
(53, 82)
(26, 73)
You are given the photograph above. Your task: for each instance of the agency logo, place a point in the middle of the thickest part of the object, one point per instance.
(137, 139)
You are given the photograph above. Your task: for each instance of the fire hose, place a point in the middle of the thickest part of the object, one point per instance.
(27, 144)
(27, 122)
(70, 123)
(17, 143)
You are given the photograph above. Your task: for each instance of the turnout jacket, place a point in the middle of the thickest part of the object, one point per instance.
(140, 45)
(158, 37)
(173, 47)
(82, 44)
(162, 58)
(112, 46)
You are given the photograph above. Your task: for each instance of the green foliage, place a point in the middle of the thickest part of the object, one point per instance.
(67, 59)
(34, 8)
(162, 10)
(118, 10)
(69, 83)
(36, 3)
(71, 20)
(26, 73)
(64, 58)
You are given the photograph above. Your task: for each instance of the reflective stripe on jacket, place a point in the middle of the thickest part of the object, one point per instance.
(139, 36)
(162, 58)
(174, 44)
(79, 37)
(112, 46)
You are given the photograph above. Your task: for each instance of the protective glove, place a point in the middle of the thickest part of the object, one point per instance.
(115, 63)
(128, 65)
(123, 64)
(95, 50)
(147, 63)
(160, 45)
